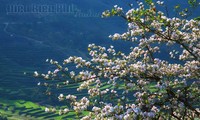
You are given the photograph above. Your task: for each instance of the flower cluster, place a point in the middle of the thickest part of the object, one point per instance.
(81, 105)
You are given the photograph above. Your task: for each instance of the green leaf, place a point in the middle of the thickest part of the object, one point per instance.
(148, 1)
(186, 9)
(113, 12)
(177, 6)
(197, 18)
(193, 3)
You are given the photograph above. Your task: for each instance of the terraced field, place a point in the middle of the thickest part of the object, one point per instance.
(26, 110)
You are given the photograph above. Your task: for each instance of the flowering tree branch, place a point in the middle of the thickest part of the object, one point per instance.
(137, 85)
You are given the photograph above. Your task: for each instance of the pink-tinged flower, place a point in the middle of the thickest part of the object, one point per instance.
(36, 74)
